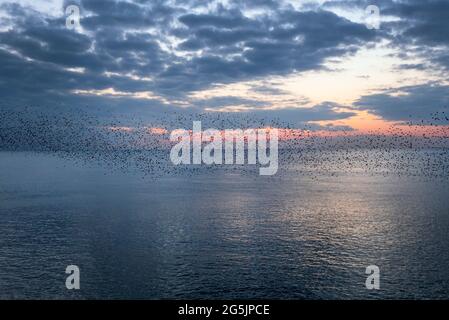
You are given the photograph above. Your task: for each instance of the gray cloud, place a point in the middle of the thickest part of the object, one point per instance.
(422, 25)
(129, 46)
(325, 111)
(419, 102)
(420, 28)
(116, 45)
(226, 101)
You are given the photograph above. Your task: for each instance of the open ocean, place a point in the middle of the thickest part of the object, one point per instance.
(218, 234)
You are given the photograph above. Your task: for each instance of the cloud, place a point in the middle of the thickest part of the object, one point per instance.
(166, 48)
(322, 112)
(268, 89)
(124, 14)
(423, 20)
(422, 28)
(420, 102)
(228, 101)
(413, 26)
(172, 49)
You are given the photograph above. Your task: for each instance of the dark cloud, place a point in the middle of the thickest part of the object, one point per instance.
(226, 101)
(420, 25)
(422, 28)
(282, 43)
(223, 19)
(299, 117)
(268, 89)
(412, 66)
(172, 50)
(257, 4)
(424, 20)
(419, 102)
(128, 45)
(122, 14)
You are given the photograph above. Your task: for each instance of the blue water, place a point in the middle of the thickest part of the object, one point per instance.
(218, 234)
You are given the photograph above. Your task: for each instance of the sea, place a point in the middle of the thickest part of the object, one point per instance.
(220, 234)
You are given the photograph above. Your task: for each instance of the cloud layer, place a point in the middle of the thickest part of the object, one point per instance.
(160, 52)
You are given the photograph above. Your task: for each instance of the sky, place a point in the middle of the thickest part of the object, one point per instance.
(317, 63)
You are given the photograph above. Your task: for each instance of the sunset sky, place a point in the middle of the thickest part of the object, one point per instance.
(304, 62)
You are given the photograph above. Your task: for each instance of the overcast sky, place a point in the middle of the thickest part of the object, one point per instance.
(301, 61)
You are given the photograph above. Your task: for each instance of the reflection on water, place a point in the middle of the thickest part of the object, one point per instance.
(218, 235)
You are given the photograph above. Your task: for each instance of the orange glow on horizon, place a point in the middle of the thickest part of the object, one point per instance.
(284, 134)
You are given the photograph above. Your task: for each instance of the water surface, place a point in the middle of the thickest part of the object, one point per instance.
(218, 234)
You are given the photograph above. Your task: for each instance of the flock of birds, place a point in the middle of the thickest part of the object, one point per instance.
(133, 144)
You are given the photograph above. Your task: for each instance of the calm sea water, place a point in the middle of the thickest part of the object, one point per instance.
(218, 234)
